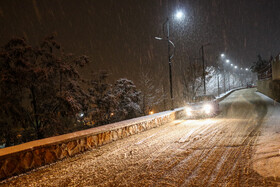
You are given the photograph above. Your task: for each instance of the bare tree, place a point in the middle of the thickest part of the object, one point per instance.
(191, 79)
(151, 95)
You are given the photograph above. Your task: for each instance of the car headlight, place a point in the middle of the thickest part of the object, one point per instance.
(188, 111)
(207, 108)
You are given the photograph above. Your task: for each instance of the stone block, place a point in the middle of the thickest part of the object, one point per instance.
(107, 137)
(10, 166)
(90, 141)
(50, 156)
(75, 149)
(114, 135)
(124, 132)
(83, 144)
(64, 154)
(95, 140)
(130, 130)
(57, 151)
(38, 159)
(26, 160)
(100, 139)
(71, 145)
(119, 133)
(2, 174)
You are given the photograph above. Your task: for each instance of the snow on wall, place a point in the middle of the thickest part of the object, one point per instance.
(21, 158)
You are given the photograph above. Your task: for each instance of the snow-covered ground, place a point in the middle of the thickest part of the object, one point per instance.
(237, 148)
(266, 160)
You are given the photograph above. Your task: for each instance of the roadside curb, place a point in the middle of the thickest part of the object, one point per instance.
(226, 95)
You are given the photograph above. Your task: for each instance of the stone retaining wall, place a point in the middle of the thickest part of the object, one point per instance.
(21, 158)
(276, 68)
(271, 88)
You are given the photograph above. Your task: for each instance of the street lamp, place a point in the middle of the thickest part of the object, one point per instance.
(223, 65)
(227, 60)
(179, 15)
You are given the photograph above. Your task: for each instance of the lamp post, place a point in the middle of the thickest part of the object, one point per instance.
(178, 15)
(223, 64)
(170, 56)
(224, 76)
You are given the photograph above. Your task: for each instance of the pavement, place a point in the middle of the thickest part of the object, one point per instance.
(239, 147)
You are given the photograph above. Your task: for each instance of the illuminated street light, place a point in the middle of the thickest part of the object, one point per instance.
(235, 67)
(227, 60)
(179, 15)
(222, 55)
(231, 64)
(158, 38)
(246, 69)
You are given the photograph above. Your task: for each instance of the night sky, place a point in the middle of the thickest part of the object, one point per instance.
(118, 35)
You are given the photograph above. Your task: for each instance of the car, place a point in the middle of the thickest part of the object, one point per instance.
(202, 106)
(249, 85)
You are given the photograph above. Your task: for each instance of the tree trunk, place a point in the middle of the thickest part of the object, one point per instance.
(34, 105)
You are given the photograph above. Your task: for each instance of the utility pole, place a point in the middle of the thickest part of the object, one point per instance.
(218, 84)
(224, 77)
(224, 81)
(170, 64)
(203, 69)
(179, 15)
(169, 55)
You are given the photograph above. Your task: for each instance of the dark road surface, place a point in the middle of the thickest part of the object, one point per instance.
(206, 152)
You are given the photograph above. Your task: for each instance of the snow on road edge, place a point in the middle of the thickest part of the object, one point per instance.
(266, 160)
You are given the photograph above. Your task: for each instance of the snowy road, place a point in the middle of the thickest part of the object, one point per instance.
(209, 152)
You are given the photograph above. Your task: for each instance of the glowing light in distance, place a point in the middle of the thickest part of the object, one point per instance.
(207, 108)
(188, 111)
(179, 14)
(222, 55)
(151, 112)
(231, 64)
(227, 60)
(235, 67)
(247, 69)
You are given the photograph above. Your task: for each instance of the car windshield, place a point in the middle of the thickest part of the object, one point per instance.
(204, 98)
